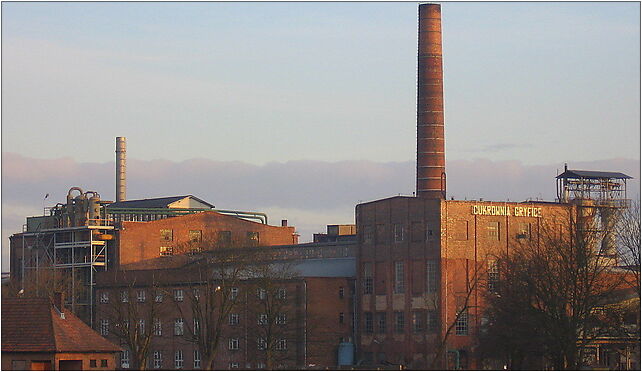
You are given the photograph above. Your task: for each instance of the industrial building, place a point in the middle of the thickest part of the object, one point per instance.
(73, 241)
(404, 283)
(425, 263)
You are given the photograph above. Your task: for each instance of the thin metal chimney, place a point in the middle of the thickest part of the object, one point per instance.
(121, 169)
(431, 158)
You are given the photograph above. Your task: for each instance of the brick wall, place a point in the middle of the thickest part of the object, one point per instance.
(138, 241)
(400, 238)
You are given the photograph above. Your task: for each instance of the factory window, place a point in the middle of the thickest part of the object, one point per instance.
(399, 322)
(431, 321)
(178, 295)
(430, 232)
(416, 232)
(380, 234)
(493, 230)
(195, 235)
(233, 344)
(197, 359)
(261, 294)
(460, 230)
(104, 297)
(398, 232)
(179, 328)
(260, 365)
(368, 234)
(282, 344)
(158, 359)
(431, 276)
(253, 238)
(282, 294)
(261, 344)
(341, 292)
(493, 275)
(141, 326)
(262, 319)
(158, 327)
(367, 278)
(234, 319)
(166, 251)
(92, 363)
(417, 321)
(524, 231)
(103, 363)
(196, 293)
(197, 326)
(367, 322)
(224, 239)
(167, 235)
(159, 297)
(281, 319)
(124, 296)
(234, 293)
(104, 327)
(341, 318)
(381, 322)
(178, 359)
(234, 365)
(399, 277)
(124, 359)
(461, 325)
(141, 295)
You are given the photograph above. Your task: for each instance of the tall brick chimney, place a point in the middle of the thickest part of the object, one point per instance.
(431, 158)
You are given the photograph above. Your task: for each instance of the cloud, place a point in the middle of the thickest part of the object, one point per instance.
(309, 194)
(501, 147)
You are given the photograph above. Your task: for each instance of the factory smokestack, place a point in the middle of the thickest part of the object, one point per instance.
(431, 159)
(121, 159)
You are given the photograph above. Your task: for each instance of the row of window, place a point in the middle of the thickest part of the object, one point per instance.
(422, 321)
(261, 344)
(224, 238)
(179, 324)
(377, 234)
(179, 295)
(431, 278)
(156, 360)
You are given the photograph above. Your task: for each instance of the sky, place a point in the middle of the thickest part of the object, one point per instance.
(303, 110)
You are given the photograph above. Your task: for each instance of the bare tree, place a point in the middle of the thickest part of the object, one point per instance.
(215, 281)
(552, 288)
(132, 314)
(272, 313)
(628, 234)
(465, 305)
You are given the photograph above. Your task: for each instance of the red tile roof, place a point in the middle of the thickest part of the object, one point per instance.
(34, 324)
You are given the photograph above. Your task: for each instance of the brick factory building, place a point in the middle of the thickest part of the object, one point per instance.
(88, 235)
(424, 263)
(307, 315)
(418, 260)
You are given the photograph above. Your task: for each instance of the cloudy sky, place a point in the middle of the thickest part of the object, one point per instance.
(303, 110)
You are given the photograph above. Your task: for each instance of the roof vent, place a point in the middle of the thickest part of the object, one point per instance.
(62, 315)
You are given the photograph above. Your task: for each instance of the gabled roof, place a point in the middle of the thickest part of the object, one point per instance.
(155, 202)
(35, 325)
(573, 173)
